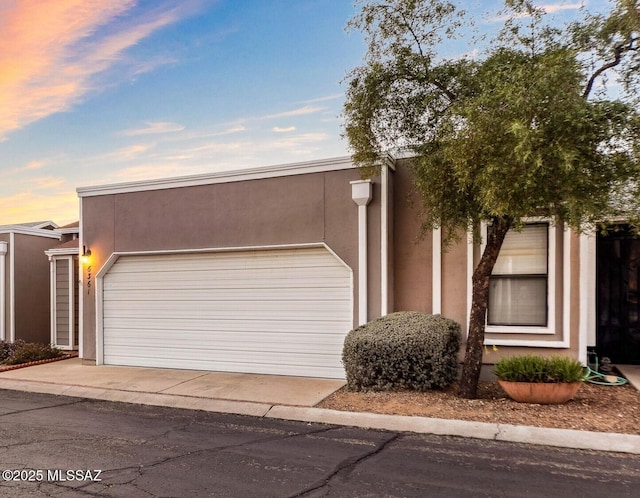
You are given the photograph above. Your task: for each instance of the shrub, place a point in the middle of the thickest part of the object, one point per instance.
(532, 368)
(8, 348)
(31, 351)
(403, 350)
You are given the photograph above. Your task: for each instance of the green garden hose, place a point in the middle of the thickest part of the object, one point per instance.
(603, 380)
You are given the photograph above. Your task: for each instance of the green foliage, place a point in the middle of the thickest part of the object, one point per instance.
(525, 128)
(539, 369)
(512, 132)
(24, 352)
(403, 350)
(8, 348)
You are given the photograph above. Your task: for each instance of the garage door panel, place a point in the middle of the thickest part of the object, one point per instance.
(236, 345)
(229, 311)
(283, 311)
(229, 356)
(315, 309)
(240, 277)
(226, 360)
(193, 363)
(241, 325)
(208, 347)
(221, 294)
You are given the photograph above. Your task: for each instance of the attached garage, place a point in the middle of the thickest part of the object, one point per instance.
(276, 311)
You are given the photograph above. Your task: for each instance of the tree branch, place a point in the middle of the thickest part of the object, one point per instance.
(450, 95)
(618, 51)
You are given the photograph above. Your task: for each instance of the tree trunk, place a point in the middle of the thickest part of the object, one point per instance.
(479, 302)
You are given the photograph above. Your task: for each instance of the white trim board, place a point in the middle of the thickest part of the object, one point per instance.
(80, 286)
(68, 251)
(436, 271)
(588, 304)
(12, 287)
(115, 255)
(333, 164)
(4, 247)
(38, 232)
(384, 238)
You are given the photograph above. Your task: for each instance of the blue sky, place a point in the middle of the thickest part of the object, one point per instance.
(120, 90)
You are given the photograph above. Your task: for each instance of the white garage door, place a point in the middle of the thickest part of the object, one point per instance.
(276, 312)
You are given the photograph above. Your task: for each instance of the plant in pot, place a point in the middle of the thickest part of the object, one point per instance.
(537, 379)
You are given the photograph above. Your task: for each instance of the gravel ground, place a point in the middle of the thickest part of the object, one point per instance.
(594, 408)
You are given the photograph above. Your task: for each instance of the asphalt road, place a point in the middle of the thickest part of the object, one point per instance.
(55, 446)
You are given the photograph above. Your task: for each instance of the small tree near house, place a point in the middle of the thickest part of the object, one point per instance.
(543, 123)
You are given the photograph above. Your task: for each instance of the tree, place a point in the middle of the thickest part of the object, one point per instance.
(527, 128)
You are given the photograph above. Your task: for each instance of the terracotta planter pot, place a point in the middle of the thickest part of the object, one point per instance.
(540, 393)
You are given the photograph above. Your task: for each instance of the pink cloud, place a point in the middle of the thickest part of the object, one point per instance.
(50, 51)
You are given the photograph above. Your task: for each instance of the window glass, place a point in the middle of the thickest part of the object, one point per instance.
(523, 252)
(518, 285)
(518, 301)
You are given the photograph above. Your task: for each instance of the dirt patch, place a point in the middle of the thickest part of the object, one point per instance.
(594, 408)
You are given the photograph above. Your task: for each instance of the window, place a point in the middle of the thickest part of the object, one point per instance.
(518, 289)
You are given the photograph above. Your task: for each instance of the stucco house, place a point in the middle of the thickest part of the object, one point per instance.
(24, 281)
(265, 270)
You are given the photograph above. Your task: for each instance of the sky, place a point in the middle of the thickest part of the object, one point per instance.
(112, 91)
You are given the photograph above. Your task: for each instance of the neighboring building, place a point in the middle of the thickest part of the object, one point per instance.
(63, 282)
(266, 270)
(24, 281)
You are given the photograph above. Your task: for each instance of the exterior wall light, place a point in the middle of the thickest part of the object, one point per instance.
(86, 254)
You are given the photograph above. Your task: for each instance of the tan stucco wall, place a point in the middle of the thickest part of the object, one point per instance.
(454, 282)
(32, 288)
(300, 209)
(411, 255)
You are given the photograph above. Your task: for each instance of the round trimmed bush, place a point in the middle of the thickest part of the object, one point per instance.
(403, 350)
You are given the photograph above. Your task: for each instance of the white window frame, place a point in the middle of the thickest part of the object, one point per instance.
(550, 328)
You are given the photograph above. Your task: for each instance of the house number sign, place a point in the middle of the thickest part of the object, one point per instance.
(89, 279)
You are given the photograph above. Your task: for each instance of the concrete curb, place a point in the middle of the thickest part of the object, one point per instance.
(564, 438)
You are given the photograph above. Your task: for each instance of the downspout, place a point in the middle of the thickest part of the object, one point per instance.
(361, 195)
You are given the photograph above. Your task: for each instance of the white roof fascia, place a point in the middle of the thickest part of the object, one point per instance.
(23, 230)
(46, 224)
(332, 164)
(389, 161)
(67, 231)
(63, 251)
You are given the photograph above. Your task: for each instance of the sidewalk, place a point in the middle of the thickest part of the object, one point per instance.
(270, 396)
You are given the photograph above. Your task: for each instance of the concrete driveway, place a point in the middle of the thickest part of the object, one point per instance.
(179, 388)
